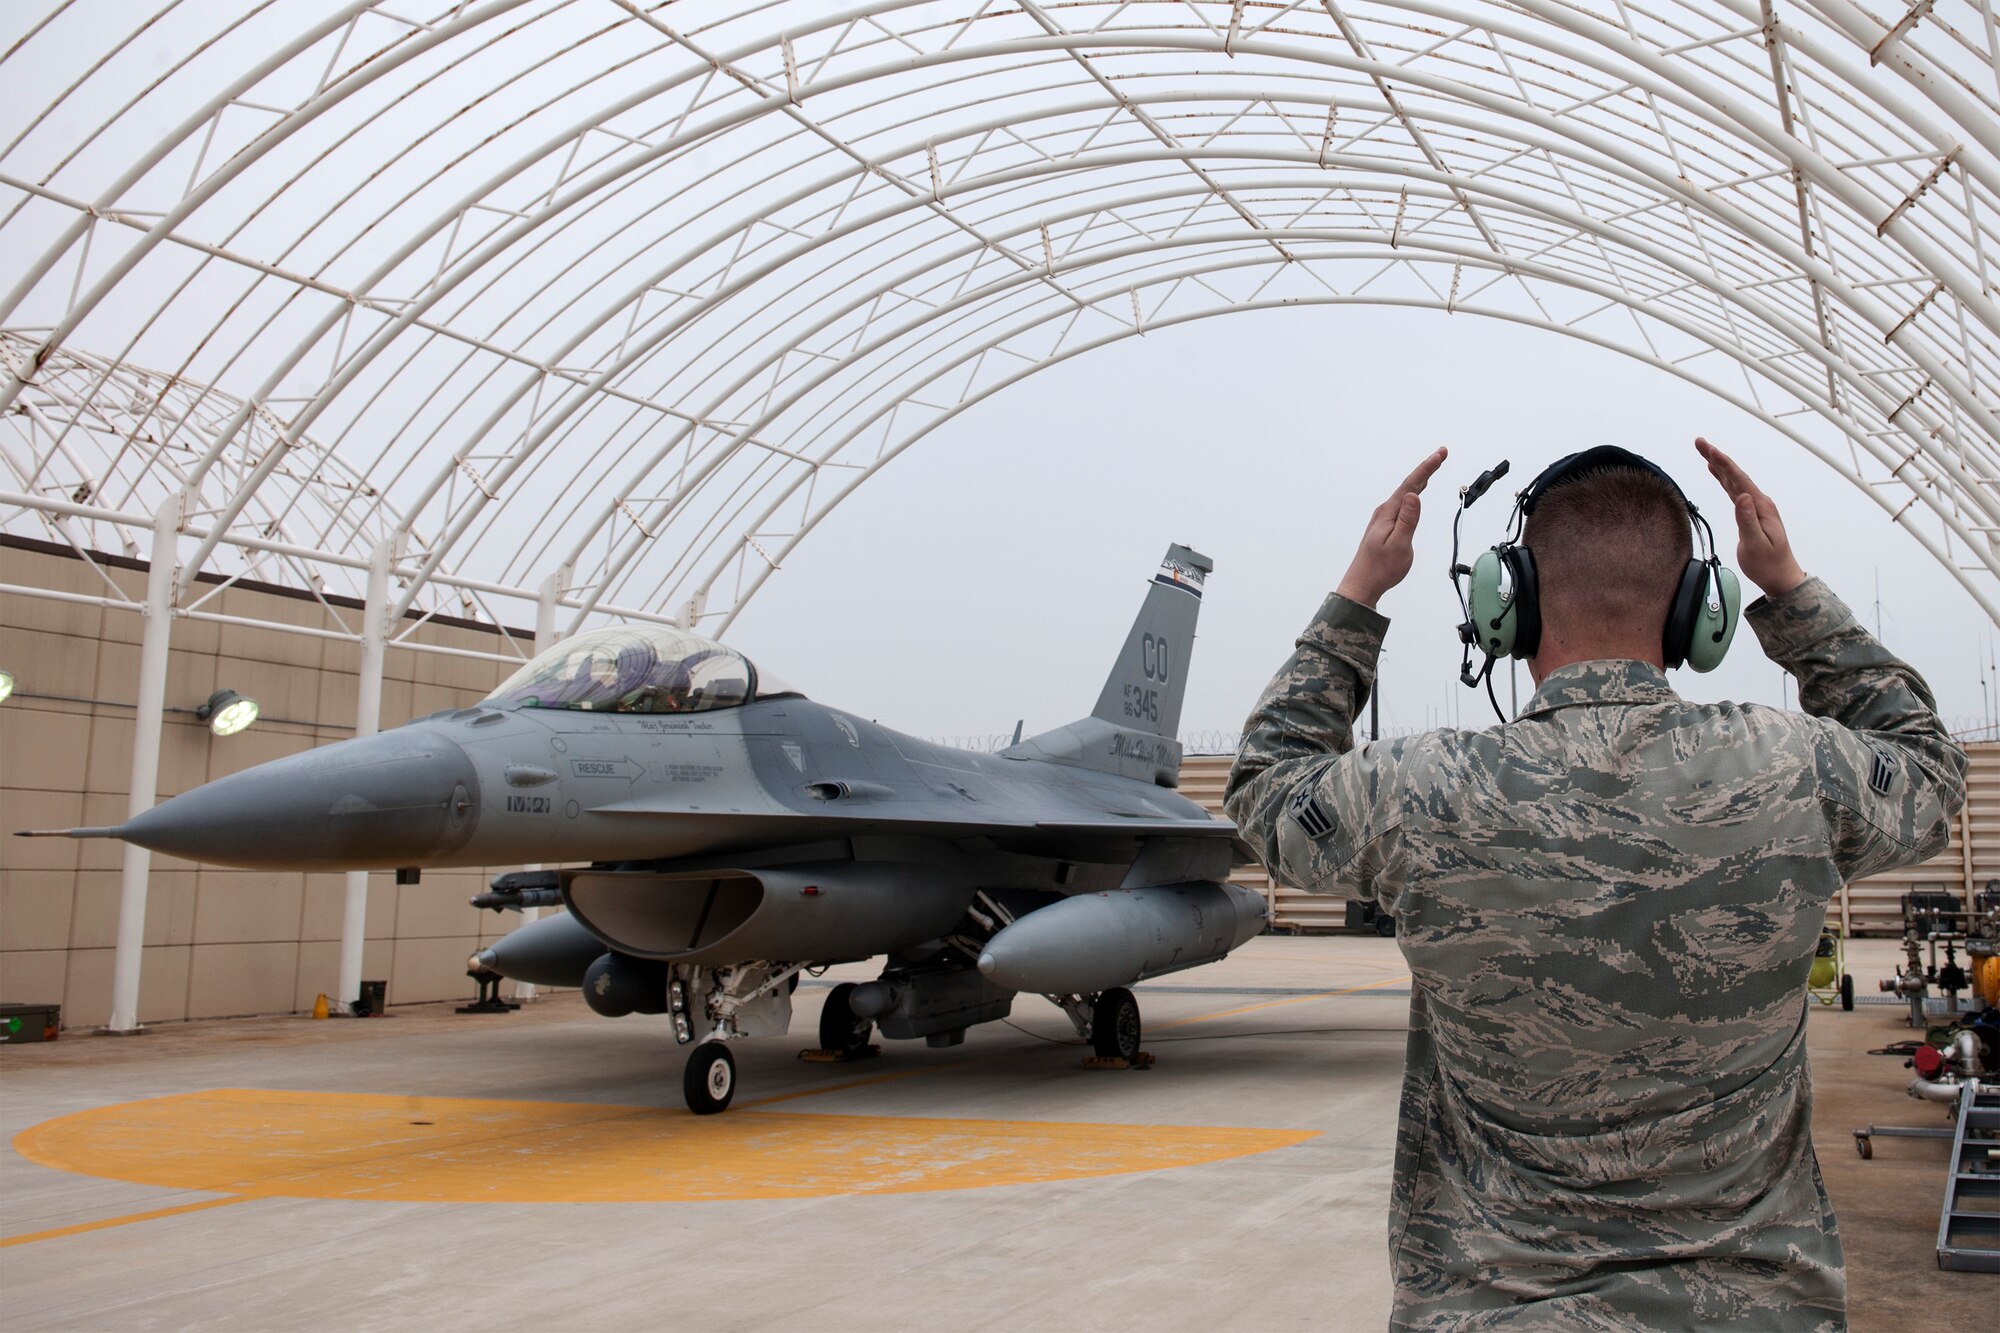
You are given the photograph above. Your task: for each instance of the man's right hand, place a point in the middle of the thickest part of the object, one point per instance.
(1763, 551)
(1387, 549)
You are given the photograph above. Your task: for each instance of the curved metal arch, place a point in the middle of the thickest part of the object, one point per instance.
(304, 285)
(1918, 401)
(1751, 365)
(977, 183)
(167, 143)
(1938, 373)
(363, 74)
(1880, 316)
(1897, 514)
(1857, 385)
(1468, 257)
(69, 394)
(633, 357)
(749, 279)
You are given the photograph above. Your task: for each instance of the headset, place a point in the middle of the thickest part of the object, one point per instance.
(1499, 593)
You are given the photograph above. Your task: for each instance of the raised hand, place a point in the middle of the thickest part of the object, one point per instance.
(1386, 553)
(1763, 551)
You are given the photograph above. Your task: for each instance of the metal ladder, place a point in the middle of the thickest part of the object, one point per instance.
(1969, 1227)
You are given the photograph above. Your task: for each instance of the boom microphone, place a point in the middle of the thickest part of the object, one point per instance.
(1482, 483)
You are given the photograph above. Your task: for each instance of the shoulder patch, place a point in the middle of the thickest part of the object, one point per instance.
(1881, 774)
(1306, 810)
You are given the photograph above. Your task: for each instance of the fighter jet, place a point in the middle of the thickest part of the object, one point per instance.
(722, 834)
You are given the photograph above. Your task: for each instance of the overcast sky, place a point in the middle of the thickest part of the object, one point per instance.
(991, 572)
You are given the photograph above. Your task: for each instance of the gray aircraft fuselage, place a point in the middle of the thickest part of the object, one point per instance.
(487, 785)
(716, 834)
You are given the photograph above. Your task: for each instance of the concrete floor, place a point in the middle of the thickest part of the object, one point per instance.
(775, 1217)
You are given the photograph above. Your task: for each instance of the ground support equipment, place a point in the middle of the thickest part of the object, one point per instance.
(1969, 1225)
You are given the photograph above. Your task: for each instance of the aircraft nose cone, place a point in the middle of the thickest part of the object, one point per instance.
(403, 798)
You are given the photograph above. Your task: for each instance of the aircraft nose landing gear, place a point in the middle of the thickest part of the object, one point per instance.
(709, 1081)
(744, 1000)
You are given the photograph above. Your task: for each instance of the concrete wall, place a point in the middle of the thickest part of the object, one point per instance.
(218, 942)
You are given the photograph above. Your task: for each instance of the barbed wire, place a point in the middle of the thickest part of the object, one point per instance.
(992, 743)
(1210, 742)
(1962, 727)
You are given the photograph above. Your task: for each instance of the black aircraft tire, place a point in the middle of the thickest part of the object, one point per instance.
(1847, 993)
(839, 1029)
(709, 1081)
(1114, 1025)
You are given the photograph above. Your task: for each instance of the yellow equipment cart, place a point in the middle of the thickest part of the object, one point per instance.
(1828, 981)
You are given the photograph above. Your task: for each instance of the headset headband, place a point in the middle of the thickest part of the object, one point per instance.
(1572, 466)
(1500, 595)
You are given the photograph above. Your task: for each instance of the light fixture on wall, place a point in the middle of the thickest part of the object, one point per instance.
(227, 712)
(6, 686)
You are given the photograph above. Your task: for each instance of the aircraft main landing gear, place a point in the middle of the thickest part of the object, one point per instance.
(843, 1034)
(1109, 1021)
(709, 1081)
(1114, 1026)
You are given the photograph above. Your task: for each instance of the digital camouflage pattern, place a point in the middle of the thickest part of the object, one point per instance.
(1609, 907)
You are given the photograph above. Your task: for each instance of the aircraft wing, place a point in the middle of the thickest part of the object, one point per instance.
(1114, 826)
(1107, 837)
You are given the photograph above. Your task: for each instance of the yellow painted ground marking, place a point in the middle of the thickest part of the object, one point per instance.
(56, 1233)
(260, 1144)
(1273, 1004)
(21, 1143)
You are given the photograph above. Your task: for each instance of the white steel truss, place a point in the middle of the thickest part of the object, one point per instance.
(576, 308)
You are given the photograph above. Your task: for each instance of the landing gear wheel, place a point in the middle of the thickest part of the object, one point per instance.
(1114, 1025)
(1847, 993)
(839, 1029)
(710, 1078)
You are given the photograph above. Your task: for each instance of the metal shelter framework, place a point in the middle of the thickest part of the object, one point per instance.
(551, 310)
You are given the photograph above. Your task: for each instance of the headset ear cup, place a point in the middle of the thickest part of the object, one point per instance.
(1527, 603)
(1715, 625)
(1493, 620)
(1678, 633)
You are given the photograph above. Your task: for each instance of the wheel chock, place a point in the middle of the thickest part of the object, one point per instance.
(1143, 1060)
(826, 1057)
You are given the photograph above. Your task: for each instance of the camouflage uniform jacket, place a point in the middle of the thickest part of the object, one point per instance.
(1608, 907)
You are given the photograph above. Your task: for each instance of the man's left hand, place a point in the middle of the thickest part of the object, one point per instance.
(1386, 552)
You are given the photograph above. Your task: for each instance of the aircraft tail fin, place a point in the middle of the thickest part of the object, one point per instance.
(1132, 730)
(1149, 680)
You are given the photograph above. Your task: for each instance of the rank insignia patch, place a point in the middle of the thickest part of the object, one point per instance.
(1306, 809)
(1882, 775)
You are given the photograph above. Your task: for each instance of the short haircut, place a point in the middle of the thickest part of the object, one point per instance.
(1610, 547)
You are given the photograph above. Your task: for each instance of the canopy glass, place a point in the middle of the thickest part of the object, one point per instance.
(632, 669)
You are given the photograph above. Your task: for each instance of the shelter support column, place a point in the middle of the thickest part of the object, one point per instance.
(149, 712)
(367, 720)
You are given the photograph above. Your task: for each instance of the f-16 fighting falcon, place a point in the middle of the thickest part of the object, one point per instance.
(724, 834)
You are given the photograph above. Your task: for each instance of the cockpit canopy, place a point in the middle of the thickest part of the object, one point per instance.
(634, 669)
